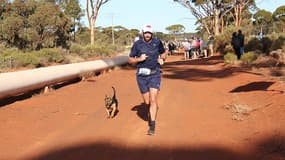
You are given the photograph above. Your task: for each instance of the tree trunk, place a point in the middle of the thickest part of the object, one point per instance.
(240, 13)
(92, 33)
(236, 15)
(216, 22)
(222, 26)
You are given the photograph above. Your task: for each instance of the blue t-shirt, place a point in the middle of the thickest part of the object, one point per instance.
(152, 49)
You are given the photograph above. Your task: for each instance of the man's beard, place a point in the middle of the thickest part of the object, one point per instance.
(146, 39)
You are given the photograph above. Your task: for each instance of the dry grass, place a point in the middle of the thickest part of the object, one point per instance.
(266, 65)
(239, 111)
(277, 72)
(84, 75)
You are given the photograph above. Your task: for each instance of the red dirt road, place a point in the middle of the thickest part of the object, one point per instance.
(195, 119)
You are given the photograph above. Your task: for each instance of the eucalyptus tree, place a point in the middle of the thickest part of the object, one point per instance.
(207, 11)
(210, 13)
(175, 29)
(72, 9)
(241, 10)
(263, 19)
(279, 16)
(14, 22)
(92, 11)
(49, 26)
(33, 24)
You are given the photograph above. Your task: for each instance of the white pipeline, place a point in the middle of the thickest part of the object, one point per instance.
(15, 83)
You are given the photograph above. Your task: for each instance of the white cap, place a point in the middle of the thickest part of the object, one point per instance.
(147, 28)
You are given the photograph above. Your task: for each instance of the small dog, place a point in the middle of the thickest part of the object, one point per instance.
(111, 104)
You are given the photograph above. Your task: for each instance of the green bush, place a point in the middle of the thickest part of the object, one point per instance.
(253, 45)
(230, 58)
(116, 48)
(90, 51)
(6, 62)
(49, 55)
(14, 58)
(76, 49)
(228, 48)
(25, 59)
(19, 59)
(223, 40)
(277, 43)
(10, 51)
(96, 51)
(249, 57)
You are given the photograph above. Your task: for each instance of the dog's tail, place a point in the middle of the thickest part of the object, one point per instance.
(114, 92)
(114, 96)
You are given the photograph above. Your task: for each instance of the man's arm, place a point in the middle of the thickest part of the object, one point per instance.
(135, 60)
(163, 53)
(162, 57)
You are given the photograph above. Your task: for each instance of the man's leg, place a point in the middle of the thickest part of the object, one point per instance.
(153, 103)
(152, 110)
(146, 104)
(146, 98)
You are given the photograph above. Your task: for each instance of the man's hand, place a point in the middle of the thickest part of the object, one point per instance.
(160, 61)
(135, 60)
(142, 57)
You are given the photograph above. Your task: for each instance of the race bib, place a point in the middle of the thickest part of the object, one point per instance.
(144, 71)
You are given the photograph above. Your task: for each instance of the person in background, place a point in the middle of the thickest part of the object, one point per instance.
(194, 49)
(171, 47)
(186, 46)
(148, 54)
(241, 39)
(236, 44)
(260, 36)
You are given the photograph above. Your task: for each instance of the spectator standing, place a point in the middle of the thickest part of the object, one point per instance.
(236, 44)
(187, 46)
(260, 36)
(241, 39)
(194, 48)
(171, 47)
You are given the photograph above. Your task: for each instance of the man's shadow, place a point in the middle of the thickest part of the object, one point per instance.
(142, 111)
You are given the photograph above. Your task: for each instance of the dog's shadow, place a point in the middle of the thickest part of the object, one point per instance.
(142, 111)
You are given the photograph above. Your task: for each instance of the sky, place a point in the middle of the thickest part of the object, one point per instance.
(134, 14)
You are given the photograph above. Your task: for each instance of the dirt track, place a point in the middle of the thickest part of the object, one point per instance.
(195, 118)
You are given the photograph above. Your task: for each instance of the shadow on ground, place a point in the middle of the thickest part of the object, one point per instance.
(201, 61)
(256, 86)
(272, 148)
(253, 86)
(142, 111)
(27, 95)
(186, 70)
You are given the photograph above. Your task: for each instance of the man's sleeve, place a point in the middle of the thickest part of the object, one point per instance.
(161, 47)
(133, 52)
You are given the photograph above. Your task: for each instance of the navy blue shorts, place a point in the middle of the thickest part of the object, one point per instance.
(147, 82)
